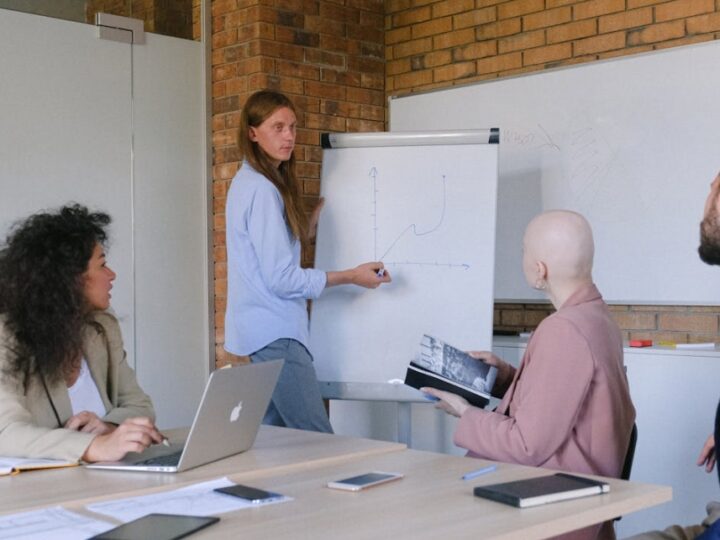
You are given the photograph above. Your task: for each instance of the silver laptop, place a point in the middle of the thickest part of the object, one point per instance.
(226, 422)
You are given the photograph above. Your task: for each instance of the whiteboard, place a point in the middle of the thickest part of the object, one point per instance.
(631, 143)
(427, 212)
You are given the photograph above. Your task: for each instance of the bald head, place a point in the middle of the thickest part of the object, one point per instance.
(562, 242)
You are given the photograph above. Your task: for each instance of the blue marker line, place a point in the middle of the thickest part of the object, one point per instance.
(479, 472)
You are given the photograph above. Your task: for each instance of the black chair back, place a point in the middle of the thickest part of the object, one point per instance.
(629, 456)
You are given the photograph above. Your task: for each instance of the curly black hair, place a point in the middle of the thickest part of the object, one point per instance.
(42, 302)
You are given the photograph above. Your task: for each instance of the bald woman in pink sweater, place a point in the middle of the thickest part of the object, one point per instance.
(568, 405)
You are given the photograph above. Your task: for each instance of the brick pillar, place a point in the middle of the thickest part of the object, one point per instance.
(328, 58)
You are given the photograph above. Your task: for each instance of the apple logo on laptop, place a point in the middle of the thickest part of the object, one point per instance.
(235, 413)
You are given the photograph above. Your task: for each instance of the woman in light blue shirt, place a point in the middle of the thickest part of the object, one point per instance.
(266, 316)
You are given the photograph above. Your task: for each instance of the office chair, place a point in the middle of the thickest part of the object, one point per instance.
(629, 456)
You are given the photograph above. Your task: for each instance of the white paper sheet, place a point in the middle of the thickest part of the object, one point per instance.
(197, 500)
(54, 523)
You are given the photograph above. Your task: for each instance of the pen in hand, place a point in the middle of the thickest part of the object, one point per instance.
(479, 472)
(165, 441)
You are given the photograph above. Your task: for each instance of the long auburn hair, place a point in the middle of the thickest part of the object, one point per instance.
(257, 109)
(42, 299)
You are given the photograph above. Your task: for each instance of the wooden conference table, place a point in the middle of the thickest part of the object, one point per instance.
(275, 449)
(430, 502)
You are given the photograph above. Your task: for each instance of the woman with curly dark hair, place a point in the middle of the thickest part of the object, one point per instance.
(66, 390)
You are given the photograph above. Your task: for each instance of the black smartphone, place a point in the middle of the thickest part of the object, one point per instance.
(158, 527)
(251, 494)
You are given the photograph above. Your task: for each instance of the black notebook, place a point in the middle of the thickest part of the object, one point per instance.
(444, 367)
(542, 490)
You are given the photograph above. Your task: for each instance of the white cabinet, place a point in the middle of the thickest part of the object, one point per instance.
(675, 394)
(510, 349)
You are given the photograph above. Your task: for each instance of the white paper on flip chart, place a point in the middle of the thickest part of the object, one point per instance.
(197, 500)
(54, 523)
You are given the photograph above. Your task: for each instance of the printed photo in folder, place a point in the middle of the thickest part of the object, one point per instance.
(542, 490)
(444, 367)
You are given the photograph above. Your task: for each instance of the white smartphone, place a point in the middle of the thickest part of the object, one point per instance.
(356, 483)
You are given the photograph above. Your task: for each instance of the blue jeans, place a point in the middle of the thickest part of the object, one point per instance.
(296, 401)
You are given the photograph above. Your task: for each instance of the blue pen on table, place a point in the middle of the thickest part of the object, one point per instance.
(479, 472)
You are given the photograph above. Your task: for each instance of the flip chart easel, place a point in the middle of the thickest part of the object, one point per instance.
(424, 204)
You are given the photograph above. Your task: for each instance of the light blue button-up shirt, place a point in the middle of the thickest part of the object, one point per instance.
(267, 288)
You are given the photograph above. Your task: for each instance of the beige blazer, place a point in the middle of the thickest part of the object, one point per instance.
(28, 426)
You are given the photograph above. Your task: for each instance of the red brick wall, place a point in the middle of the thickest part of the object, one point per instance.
(681, 324)
(436, 44)
(328, 57)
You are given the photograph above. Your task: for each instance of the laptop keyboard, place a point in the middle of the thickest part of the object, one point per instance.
(167, 460)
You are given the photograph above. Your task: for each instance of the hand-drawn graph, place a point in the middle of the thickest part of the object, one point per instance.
(411, 228)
